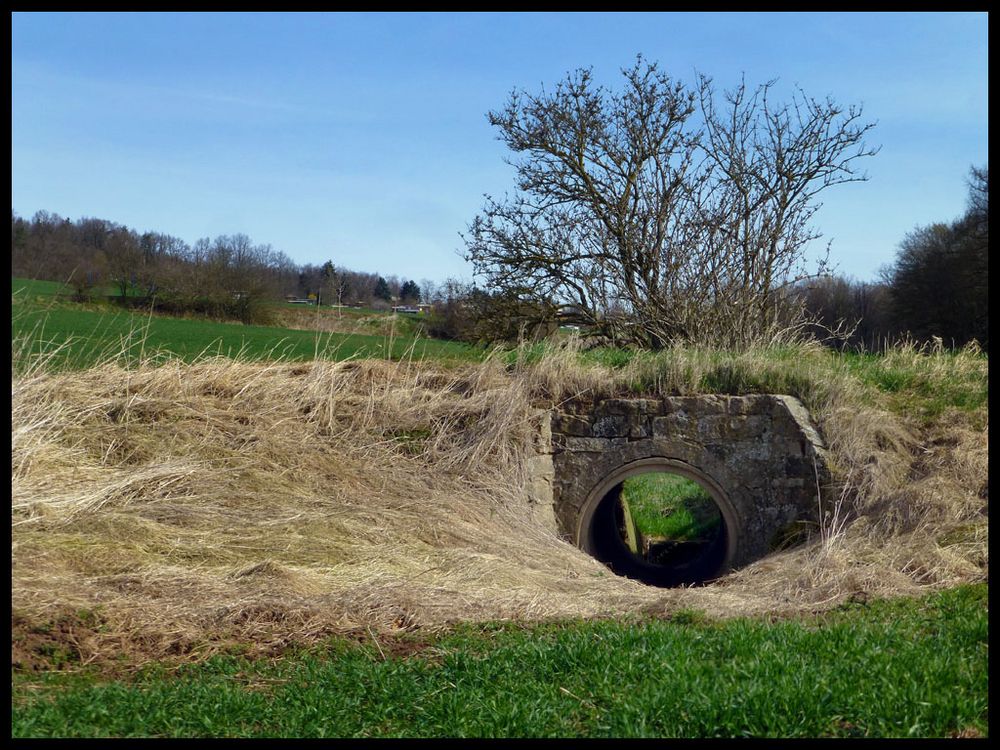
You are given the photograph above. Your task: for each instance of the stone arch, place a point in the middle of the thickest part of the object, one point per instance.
(584, 536)
(759, 456)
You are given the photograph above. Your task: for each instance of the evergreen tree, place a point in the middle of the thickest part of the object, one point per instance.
(382, 291)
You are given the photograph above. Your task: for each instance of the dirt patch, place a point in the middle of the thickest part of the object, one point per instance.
(80, 640)
(65, 642)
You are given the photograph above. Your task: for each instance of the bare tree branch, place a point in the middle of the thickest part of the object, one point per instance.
(659, 212)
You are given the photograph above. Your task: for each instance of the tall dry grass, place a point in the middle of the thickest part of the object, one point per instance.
(183, 507)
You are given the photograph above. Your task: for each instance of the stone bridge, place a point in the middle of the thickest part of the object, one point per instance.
(759, 456)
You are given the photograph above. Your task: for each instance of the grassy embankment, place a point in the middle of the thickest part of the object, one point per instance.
(172, 510)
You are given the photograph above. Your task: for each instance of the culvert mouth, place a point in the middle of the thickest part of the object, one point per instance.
(661, 522)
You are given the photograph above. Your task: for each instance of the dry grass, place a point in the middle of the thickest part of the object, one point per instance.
(271, 502)
(347, 321)
(179, 508)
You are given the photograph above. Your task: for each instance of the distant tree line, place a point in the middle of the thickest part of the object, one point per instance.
(229, 276)
(936, 290)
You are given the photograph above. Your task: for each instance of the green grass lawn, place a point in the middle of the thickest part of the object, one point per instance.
(670, 506)
(80, 335)
(32, 289)
(925, 387)
(47, 290)
(910, 380)
(902, 668)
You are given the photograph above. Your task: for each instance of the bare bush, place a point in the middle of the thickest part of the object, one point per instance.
(660, 214)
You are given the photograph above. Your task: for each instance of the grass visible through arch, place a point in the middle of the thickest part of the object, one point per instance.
(670, 506)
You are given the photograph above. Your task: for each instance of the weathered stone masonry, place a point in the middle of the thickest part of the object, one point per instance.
(760, 456)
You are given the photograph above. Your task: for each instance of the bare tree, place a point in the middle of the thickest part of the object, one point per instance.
(124, 259)
(429, 291)
(335, 282)
(660, 214)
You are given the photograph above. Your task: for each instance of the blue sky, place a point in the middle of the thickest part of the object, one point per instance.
(362, 138)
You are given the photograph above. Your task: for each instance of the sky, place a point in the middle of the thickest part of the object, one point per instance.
(363, 138)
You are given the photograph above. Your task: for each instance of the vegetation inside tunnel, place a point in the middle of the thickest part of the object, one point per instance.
(660, 528)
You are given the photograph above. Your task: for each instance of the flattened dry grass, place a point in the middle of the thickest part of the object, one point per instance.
(192, 505)
(174, 508)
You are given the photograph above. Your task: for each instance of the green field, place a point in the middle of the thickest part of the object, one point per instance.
(924, 387)
(35, 290)
(77, 335)
(48, 291)
(906, 668)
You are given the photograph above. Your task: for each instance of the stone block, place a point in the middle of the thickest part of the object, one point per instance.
(649, 406)
(542, 437)
(612, 425)
(616, 406)
(571, 424)
(583, 444)
(675, 423)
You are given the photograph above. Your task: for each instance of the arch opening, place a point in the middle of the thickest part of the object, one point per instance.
(661, 522)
